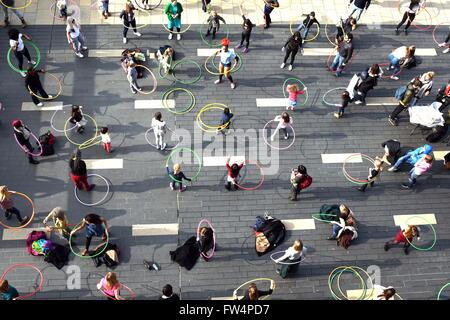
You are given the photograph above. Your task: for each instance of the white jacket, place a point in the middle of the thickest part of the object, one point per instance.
(159, 127)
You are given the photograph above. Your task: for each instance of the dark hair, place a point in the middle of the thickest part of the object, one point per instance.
(13, 34)
(301, 169)
(417, 83)
(345, 93)
(104, 130)
(235, 169)
(248, 22)
(375, 68)
(285, 117)
(158, 116)
(75, 110)
(93, 218)
(312, 14)
(388, 293)
(297, 35)
(350, 36)
(76, 156)
(226, 111)
(413, 3)
(167, 290)
(4, 285)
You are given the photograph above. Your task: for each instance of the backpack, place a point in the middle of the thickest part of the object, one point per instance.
(400, 93)
(306, 182)
(260, 221)
(47, 140)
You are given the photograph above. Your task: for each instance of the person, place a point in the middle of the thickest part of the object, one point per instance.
(402, 54)
(213, 24)
(95, 226)
(62, 7)
(447, 161)
(60, 221)
(34, 86)
(77, 118)
(225, 121)
(422, 166)
(291, 47)
(233, 174)
(392, 150)
(105, 9)
(412, 157)
(128, 20)
(373, 173)
(19, 48)
(269, 5)
(11, 4)
(253, 293)
(205, 5)
(345, 100)
(293, 91)
(165, 56)
(8, 291)
(358, 6)
(406, 235)
(410, 13)
(298, 176)
(382, 293)
(344, 218)
(159, 130)
(132, 76)
(247, 27)
(426, 80)
(443, 96)
(74, 37)
(177, 176)
(206, 242)
(227, 56)
(307, 23)
(344, 53)
(291, 256)
(369, 80)
(405, 102)
(283, 121)
(173, 11)
(345, 26)
(23, 135)
(167, 293)
(446, 43)
(78, 172)
(110, 286)
(106, 139)
(346, 235)
(7, 205)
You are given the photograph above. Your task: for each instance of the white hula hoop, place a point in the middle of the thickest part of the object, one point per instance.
(58, 130)
(102, 199)
(154, 146)
(287, 263)
(277, 148)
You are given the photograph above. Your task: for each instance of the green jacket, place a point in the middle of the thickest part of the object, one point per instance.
(409, 95)
(168, 10)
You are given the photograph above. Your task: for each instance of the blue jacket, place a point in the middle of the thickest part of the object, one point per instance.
(419, 153)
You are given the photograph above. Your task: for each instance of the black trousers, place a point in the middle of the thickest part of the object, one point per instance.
(394, 114)
(292, 53)
(19, 55)
(295, 191)
(214, 31)
(407, 16)
(448, 38)
(245, 36)
(28, 145)
(38, 90)
(127, 24)
(267, 19)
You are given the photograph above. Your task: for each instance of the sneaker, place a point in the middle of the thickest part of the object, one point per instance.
(79, 55)
(443, 44)
(358, 102)
(84, 48)
(137, 34)
(34, 161)
(217, 81)
(272, 138)
(282, 65)
(239, 46)
(406, 186)
(164, 146)
(392, 169)
(290, 67)
(178, 37)
(386, 246)
(446, 50)
(23, 74)
(233, 85)
(32, 62)
(337, 115)
(50, 96)
(361, 189)
(124, 40)
(171, 186)
(394, 77)
(92, 186)
(406, 250)
(245, 50)
(331, 238)
(40, 104)
(157, 147)
(392, 121)
(170, 36)
(286, 137)
(397, 32)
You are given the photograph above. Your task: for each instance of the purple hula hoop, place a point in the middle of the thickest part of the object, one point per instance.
(214, 237)
(25, 150)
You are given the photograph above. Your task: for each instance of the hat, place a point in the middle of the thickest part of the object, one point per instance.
(427, 148)
(225, 42)
(17, 124)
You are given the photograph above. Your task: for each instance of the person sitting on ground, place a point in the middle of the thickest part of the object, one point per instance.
(344, 218)
(382, 293)
(165, 56)
(206, 241)
(60, 221)
(167, 293)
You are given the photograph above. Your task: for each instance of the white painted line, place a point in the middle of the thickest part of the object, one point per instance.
(299, 224)
(426, 52)
(221, 161)
(439, 155)
(341, 157)
(226, 298)
(424, 219)
(359, 294)
(105, 53)
(48, 106)
(152, 55)
(317, 52)
(271, 102)
(153, 104)
(104, 163)
(18, 234)
(206, 52)
(381, 101)
(154, 229)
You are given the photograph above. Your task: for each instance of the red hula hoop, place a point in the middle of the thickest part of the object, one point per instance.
(25, 150)
(41, 284)
(328, 65)
(133, 294)
(260, 182)
(414, 24)
(214, 237)
(388, 76)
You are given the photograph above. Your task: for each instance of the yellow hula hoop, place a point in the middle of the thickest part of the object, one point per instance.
(219, 73)
(259, 279)
(155, 82)
(87, 141)
(207, 107)
(17, 8)
(306, 40)
(54, 97)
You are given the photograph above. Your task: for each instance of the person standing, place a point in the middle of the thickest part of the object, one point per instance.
(405, 101)
(77, 118)
(159, 130)
(177, 176)
(110, 286)
(132, 76)
(173, 11)
(19, 48)
(410, 13)
(8, 291)
(74, 37)
(165, 57)
(11, 3)
(269, 5)
(7, 205)
(307, 23)
(253, 293)
(95, 226)
(291, 47)
(213, 24)
(78, 172)
(247, 27)
(23, 135)
(34, 86)
(426, 80)
(227, 56)
(422, 166)
(167, 293)
(369, 80)
(106, 139)
(105, 9)
(205, 5)
(345, 100)
(299, 180)
(358, 6)
(233, 174)
(373, 173)
(402, 54)
(406, 235)
(225, 121)
(446, 43)
(129, 19)
(291, 257)
(283, 121)
(344, 54)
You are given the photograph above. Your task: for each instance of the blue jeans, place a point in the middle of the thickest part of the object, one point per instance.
(356, 9)
(412, 178)
(406, 157)
(394, 62)
(335, 229)
(105, 4)
(305, 33)
(337, 63)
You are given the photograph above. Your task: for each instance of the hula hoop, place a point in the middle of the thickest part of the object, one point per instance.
(101, 200)
(153, 145)
(278, 148)
(160, 69)
(59, 130)
(33, 212)
(388, 76)
(133, 294)
(191, 151)
(54, 97)
(184, 61)
(434, 33)
(70, 2)
(256, 280)
(211, 129)
(26, 150)
(286, 263)
(176, 32)
(434, 233)
(151, 7)
(442, 289)
(93, 256)
(38, 57)
(328, 38)
(306, 40)
(299, 81)
(213, 43)
(328, 92)
(345, 67)
(355, 180)
(214, 237)
(352, 269)
(260, 181)
(413, 23)
(314, 216)
(137, 27)
(236, 67)
(17, 8)
(365, 285)
(36, 290)
(184, 111)
(155, 84)
(87, 141)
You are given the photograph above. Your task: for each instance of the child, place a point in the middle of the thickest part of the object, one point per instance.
(293, 91)
(373, 172)
(106, 139)
(284, 120)
(110, 286)
(8, 292)
(233, 174)
(59, 218)
(214, 24)
(159, 129)
(177, 176)
(77, 118)
(7, 204)
(405, 235)
(145, 4)
(165, 57)
(307, 23)
(345, 101)
(62, 6)
(225, 121)
(247, 27)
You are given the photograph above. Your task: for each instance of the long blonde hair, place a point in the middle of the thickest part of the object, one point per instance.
(176, 168)
(4, 193)
(410, 51)
(111, 280)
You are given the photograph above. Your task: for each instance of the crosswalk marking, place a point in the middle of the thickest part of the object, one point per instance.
(48, 106)
(341, 157)
(221, 161)
(155, 229)
(206, 52)
(18, 234)
(439, 155)
(105, 53)
(381, 101)
(426, 52)
(104, 163)
(423, 219)
(318, 52)
(299, 224)
(271, 102)
(153, 104)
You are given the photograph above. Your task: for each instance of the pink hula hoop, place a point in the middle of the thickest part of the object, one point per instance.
(214, 237)
(25, 150)
(41, 284)
(388, 76)
(133, 294)
(260, 182)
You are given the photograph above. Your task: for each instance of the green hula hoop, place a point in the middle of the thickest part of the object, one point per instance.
(213, 43)
(87, 141)
(184, 61)
(442, 289)
(95, 255)
(184, 111)
(314, 216)
(38, 57)
(434, 233)
(194, 178)
(338, 273)
(300, 81)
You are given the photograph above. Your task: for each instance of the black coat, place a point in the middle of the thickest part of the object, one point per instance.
(275, 231)
(188, 254)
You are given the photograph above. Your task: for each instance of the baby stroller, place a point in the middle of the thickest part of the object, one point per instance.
(426, 117)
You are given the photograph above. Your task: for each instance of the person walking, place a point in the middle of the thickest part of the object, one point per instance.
(299, 180)
(291, 258)
(225, 121)
(283, 121)
(167, 294)
(410, 13)
(446, 43)
(60, 222)
(269, 5)
(23, 135)
(227, 57)
(74, 37)
(345, 100)
(406, 235)
(373, 173)
(357, 7)
(412, 157)
(105, 9)
(129, 19)
(247, 27)
(177, 176)
(95, 226)
(106, 139)
(77, 118)
(307, 23)
(34, 86)
(253, 293)
(426, 80)
(344, 53)
(392, 150)
(12, 5)
(369, 80)
(213, 24)
(173, 11)
(291, 48)
(233, 174)
(422, 166)
(110, 286)
(405, 101)
(132, 76)
(78, 172)
(7, 205)
(159, 130)
(400, 57)
(205, 5)
(19, 48)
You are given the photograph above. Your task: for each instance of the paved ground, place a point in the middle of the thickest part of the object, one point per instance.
(140, 192)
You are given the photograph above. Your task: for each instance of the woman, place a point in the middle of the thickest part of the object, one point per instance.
(167, 293)
(159, 129)
(406, 235)
(247, 27)
(392, 150)
(291, 48)
(400, 56)
(165, 56)
(227, 57)
(95, 226)
(77, 118)
(344, 48)
(177, 176)
(173, 11)
(269, 5)
(383, 293)
(405, 102)
(369, 80)
(427, 84)
(23, 135)
(233, 174)
(345, 217)
(128, 19)
(19, 48)
(410, 13)
(61, 224)
(253, 293)
(34, 86)
(7, 204)
(110, 286)
(78, 172)
(206, 241)
(284, 120)
(75, 37)
(291, 257)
